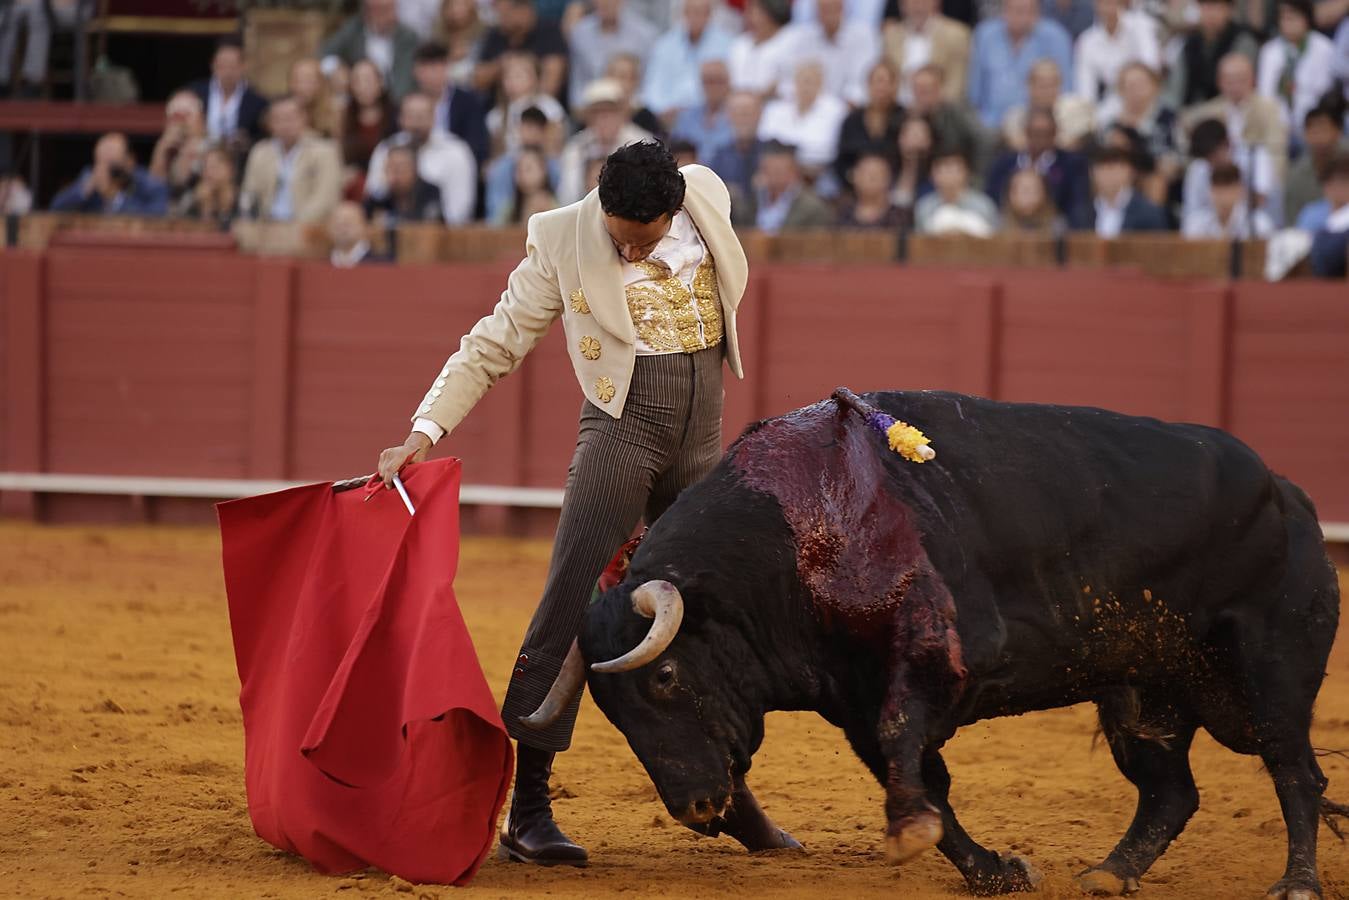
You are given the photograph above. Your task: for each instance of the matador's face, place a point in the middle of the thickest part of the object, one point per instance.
(633, 240)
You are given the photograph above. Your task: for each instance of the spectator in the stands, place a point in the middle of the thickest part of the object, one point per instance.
(406, 196)
(1251, 120)
(1331, 239)
(873, 128)
(674, 64)
(626, 69)
(952, 124)
(845, 50)
(458, 110)
(1115, 207)
(1137, 106)
(39, 18)
(114, 184)
(761, 56)
(1076, 16)
(1210, 147)
(350, 236)
(520, 91)
(376, 34)
(419, 16)
(296, 176)
(308, 86)
(519, 27)
(15, 197)
(442, 159)
(708, 124)
(1028, 209)
(871, 206)
(737, 161)
(533, 189)
(368, 118)
(780, 200)
(923, 35)
(233, 109)
(500, 179)
(215, 197)
(809, 120)
(866, 12)
(181, 149)
(953, 207)
(1004, 49)
(684, 153)
(914, 180)
(1118, 37)
(611, 28)
(460, 29)
(1342, 55)
(1228, 216)
(604, 109)
(1064, 171)
(1074, 115)
(1324, 140)
(1194, 75)
(1297, 65)
(1147, 179)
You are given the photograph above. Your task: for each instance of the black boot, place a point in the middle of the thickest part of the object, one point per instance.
(529, 833)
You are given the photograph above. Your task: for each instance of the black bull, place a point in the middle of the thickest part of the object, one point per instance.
(1048, 555)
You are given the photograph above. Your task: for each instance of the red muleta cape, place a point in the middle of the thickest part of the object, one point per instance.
(371, 737)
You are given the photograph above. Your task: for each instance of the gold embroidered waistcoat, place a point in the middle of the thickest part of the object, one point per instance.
(663, 309)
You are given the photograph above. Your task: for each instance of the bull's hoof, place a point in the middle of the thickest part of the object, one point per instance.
(1013, 875)
(1295, 889)
(781, 841)
(1105, 883)
(913, 837)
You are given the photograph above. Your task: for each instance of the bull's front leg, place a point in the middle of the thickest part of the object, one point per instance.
(913, 823)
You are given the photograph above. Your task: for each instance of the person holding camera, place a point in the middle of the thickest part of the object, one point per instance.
(114, 184)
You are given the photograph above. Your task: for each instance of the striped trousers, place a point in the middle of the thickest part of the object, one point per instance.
(624, 470)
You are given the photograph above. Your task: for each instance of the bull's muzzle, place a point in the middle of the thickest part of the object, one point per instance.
(656, 600)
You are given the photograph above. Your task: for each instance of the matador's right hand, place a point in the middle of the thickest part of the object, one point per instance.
(394, 458)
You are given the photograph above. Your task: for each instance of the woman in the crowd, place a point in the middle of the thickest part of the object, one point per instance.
(1028, 209)
(873, 128)
(1137, 105)
(915, 160)
(533, 193)
(214, 198)
(460, 29)
(308, 85)
(872, 179)
(520, 91)
(369, 118)
(180, 150)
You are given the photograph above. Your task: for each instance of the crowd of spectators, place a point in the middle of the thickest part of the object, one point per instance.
(1210, 118)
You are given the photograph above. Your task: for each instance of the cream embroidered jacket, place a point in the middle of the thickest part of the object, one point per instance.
(572, 270)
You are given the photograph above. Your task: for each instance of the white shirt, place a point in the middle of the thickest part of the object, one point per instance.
(419, 15)
(1204, 223)
(1110, 216)
(847, 58)
(813, 133)
(445, 161)
(917, 53)
(379, 50)
(1100, 55)
(222, 113)
(351, 258)
(759, 67)
(867, 12)
(681, 251)
(1313, 75)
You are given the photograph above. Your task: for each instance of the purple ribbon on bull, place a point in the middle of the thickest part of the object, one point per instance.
(902, 437)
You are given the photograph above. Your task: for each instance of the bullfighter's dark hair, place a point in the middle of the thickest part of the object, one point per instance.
(641, 182)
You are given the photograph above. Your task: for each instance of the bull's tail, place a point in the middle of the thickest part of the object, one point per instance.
(902, 437)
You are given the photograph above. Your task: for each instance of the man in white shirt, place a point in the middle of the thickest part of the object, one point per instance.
(347, 231)
(1118, 37)
(1228, 215)
(611, 29)
(846, 49)
(1297, 67)
(442, 159)
(810, 120)
(761, 56)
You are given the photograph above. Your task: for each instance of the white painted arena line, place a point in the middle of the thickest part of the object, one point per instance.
(232, 488)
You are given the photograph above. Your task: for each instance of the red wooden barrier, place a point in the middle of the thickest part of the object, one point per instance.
(217, 365)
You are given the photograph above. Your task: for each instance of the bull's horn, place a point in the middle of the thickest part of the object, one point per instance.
(568, 682)
(659, 601)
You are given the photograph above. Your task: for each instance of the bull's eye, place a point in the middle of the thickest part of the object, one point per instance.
(663, 680)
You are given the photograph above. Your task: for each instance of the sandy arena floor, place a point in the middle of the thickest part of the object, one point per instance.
(121, 761)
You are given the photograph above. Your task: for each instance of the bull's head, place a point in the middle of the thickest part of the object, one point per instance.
(677, 694)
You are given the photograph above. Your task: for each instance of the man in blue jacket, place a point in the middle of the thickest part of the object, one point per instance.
(1330, 245)
(114, 184)
(1116, 207)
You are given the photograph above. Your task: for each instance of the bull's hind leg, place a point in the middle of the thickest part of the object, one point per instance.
(985, 872)
(1151, 746)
